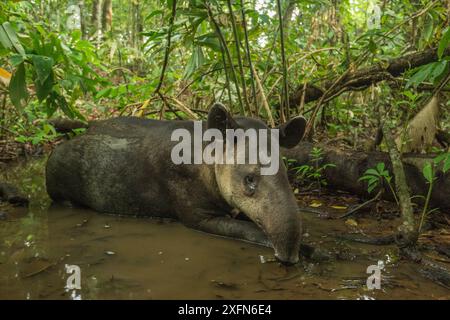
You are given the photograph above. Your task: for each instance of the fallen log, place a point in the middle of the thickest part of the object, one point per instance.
(351, 165)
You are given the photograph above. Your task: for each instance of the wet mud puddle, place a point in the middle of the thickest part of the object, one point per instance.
(130, 258)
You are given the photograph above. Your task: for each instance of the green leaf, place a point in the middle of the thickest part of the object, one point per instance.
(446, 165)
(195, 62)
(371, 187)
(209, 40)
(445, 158)
(438, 70)
(16, 59)
(51, 104)
(428, 30)
(428, 172)
(380, 167)
(13, 38)
(64, 106)
(367, 177)
(154, 13)
(103, 93)
(372, 172)
(444, 42)
(43, 66)
(43, 90)
(4, 39)
(421, 75)
(18, 88)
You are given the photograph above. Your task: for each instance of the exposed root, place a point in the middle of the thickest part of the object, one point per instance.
(378, 241)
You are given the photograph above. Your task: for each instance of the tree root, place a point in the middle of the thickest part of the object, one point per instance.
(378, 241)
(428, 268)
(349, 213)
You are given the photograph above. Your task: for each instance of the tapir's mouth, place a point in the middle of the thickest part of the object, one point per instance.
(286, 262)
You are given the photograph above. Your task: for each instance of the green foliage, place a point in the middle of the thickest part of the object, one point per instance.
(443, 159)
(429, 173)
(313, 173)
(375, 177)
(83, 73)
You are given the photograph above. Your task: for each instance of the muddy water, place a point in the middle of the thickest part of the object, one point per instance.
(130, 258)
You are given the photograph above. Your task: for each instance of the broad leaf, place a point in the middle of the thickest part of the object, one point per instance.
(43, 90)
(444, 42)
(421, 75)
(428, 172)
(13, 38)
(18, 88)
(43, 66)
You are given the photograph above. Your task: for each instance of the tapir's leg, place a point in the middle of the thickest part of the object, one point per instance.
(250, 232)
(233, 228)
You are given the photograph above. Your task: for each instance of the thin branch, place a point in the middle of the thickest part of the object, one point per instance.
(249, 58)
(227, 52)
(166, 58)
(238, 53)
(284, 111)
(263, 98)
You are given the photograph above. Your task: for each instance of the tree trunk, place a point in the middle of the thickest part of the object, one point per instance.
(97, 20)
(81, 5)
(107, 13)
(407, 230)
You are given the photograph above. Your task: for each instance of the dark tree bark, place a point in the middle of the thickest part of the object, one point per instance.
(364, 77)
(407, 230)
(82, 19)
(107, 12)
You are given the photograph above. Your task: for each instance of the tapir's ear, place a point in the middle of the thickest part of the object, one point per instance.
(291, 132)
(220, 118)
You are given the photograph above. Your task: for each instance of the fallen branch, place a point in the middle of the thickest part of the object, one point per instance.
(362, 205)
(363, 77)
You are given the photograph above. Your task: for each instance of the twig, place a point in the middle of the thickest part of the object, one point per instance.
(263, 98)
(184, 109)
(362, 205)
(238, 54)
(227, 52)
(249, 58)
(284, 111)
(166, 58)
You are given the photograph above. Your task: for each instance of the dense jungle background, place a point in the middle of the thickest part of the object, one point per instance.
(371, 77)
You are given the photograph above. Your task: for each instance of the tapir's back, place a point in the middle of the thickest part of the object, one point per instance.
(114, 166)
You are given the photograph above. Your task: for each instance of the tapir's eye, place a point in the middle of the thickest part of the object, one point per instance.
(250, 184)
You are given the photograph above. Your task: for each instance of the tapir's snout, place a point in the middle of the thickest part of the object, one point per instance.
(285, 236)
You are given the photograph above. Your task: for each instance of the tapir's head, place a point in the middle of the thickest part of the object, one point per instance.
(267, 199)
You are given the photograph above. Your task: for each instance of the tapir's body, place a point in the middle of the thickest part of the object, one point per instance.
(124, 166)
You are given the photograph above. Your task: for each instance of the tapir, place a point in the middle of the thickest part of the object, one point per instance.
(123, 165)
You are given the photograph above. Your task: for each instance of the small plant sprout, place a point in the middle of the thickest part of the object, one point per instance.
(315, 171)
(429, 173)
(376, 176)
